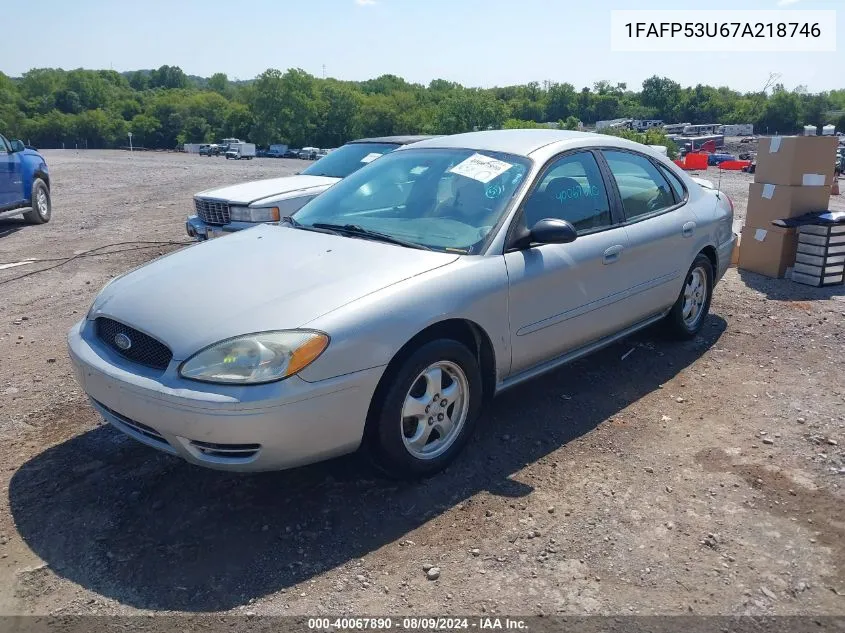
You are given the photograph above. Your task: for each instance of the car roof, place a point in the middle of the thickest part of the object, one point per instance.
(519, 142)
(398, 140)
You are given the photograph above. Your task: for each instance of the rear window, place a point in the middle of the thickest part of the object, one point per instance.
(348, 159)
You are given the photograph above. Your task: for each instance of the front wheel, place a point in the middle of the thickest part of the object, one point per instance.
(42, 207)
(690, 310)
(426, 412)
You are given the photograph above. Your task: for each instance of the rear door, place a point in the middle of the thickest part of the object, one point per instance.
(563, 296)
(660, 227)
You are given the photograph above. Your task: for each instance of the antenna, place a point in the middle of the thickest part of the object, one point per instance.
(324, 71)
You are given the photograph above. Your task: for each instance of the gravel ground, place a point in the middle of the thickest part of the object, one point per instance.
(651, 478)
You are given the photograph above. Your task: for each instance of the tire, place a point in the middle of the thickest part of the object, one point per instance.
(690, 310)
(42, 207)
(391, 431)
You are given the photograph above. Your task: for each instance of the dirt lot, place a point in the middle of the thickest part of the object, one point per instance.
(703, 477)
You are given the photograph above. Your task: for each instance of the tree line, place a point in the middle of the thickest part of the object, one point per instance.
(164, 108)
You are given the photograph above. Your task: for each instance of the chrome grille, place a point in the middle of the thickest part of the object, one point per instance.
(212, 211)
(143, 349)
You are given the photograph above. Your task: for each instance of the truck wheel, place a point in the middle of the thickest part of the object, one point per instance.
(41, 206)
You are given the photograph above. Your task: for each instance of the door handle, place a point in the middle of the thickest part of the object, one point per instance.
(612, 254)
(688, 229)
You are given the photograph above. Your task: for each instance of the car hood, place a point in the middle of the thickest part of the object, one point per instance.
(249, 192)
(266, 278)
(33, 153)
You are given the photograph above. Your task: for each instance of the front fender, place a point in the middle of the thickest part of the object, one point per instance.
(370, 331)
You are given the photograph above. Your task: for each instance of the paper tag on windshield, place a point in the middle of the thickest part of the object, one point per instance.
(481, 168)
(370, 157)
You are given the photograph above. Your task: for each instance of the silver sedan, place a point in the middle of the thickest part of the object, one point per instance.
(389, 309)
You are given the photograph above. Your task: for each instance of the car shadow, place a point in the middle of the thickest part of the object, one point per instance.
(153, 532)
(11, 225)
(788, 290)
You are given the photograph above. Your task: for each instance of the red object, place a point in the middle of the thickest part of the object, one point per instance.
(679, 163)
(695, 161)
(734, 165)
(709, 146)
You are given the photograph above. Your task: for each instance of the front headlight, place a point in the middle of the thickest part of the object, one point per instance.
(256, 358)
(258, 214)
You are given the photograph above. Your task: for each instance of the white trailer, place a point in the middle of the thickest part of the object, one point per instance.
(238, 151)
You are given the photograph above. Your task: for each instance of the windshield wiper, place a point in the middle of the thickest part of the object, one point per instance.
(360, 231)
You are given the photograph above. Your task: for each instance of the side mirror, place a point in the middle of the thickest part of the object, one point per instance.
(17, 146)
(553, 231)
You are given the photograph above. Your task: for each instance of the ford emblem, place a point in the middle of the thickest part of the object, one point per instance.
(122, 341)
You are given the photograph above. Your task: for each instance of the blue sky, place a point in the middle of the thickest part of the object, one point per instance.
(475, 42)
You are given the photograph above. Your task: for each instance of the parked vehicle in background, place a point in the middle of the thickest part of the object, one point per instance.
(715, 159)
(225, 143)
(390, 309)
(308, 153)
(237, 151)
(291, 153)
(24, 183)
(277, 150)
(236, 207)
(321, 153)
(209, 149)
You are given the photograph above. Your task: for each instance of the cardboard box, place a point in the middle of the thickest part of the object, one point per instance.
(735, 252)
(767, 252)
(767, 203)
(796, 160)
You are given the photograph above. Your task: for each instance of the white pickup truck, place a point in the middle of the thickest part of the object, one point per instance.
(237, 207)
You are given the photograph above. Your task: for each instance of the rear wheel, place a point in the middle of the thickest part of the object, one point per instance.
(42, 208)
(426, 411)
(690, 310)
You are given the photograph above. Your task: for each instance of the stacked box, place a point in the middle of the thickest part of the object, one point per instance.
(820, 260)
(793, 177)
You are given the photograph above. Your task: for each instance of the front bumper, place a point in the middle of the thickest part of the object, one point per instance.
(198, 229)
(262, 427)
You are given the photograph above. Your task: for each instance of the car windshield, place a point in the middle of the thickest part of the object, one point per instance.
(348, 159)
(442, 199)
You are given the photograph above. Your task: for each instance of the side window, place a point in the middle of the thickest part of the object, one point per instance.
(675, 183)
(4, 145)
(571, 189)
(642, 188)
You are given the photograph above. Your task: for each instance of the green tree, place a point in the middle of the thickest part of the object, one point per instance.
(145, 130)
(571, 123)
(339, 115)
(219, 83)
(284, 106)
(168, 77)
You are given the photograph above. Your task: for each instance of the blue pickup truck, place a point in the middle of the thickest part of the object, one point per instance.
(24, 183)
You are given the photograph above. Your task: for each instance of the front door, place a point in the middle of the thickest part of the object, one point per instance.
(9, 175)
(564, 296)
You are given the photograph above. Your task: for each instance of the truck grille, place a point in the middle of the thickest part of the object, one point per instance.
(212, 211)
(143, 349)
